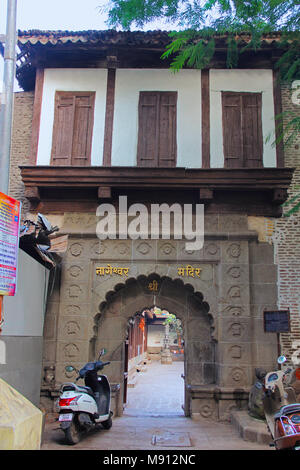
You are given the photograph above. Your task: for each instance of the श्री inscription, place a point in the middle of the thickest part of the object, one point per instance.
(110, 270)
(189, 271)
(153, 286)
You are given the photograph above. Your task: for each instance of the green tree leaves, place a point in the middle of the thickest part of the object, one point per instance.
(197, 24)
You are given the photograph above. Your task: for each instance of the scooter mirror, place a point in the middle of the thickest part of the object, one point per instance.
(101, 353)
(281, 359)
(69, 368)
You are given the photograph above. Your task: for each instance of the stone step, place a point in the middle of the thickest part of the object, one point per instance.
(250, 429)
(132, 382)
(135, 371)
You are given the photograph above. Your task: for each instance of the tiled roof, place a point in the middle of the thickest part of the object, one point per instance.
(114, 37)
(108, 37)
(66, 45)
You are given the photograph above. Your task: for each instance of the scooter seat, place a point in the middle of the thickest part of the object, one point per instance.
(86, 390)
(287, 409)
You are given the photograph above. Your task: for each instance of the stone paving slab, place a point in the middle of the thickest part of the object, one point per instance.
(158, 392)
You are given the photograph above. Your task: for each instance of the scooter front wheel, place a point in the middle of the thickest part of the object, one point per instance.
(72, 434)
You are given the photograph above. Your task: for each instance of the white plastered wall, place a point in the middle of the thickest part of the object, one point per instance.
(129, 83)
(72, 80)
(241, 81)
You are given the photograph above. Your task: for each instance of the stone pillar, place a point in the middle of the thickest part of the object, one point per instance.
(73, 321)
(235, 327)
(166, 357)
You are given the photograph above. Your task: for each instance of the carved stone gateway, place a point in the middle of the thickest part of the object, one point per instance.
(103, 284)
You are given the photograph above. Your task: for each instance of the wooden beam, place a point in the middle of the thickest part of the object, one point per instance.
(37, 109)
(205, 194)
(245, 179)
(104, 192)
(280, 196)
(109, 116)
(205, 104)
(278, 120)
(112, 61)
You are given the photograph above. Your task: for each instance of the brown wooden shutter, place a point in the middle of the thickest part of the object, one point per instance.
(72, 129)
(252, 130)
(62, 130)
(232, 130)
(157, 129)
(242, 129)
(148, 129)
(83, 128)
(167, 130)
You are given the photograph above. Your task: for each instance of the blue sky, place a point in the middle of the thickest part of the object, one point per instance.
(69, 15)
(53, 14)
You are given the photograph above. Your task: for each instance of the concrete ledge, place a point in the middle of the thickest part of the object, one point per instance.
(250, 429)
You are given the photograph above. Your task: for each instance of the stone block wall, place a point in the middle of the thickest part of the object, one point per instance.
(223, 345)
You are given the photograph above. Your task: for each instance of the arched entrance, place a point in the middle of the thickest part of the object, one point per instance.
(133, 296)
(154, 364)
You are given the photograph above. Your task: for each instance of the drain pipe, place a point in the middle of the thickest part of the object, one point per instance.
(7, 95)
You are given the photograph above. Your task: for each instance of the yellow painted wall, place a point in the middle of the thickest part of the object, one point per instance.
(21, 423)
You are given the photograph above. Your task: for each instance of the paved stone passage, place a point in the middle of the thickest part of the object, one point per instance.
(136, 433)
(158, 392)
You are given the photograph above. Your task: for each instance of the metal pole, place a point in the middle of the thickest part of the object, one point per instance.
(7, 94)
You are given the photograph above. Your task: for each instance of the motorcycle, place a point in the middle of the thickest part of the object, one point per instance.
(281, 410)
(82, 408)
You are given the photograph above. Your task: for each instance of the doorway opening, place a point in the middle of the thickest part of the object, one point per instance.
(154, 364)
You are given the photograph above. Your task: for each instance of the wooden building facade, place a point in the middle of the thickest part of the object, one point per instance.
(110, 119)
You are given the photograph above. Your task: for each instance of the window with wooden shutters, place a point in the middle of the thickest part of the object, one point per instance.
(242, 129)
(72, 129)
(157, 145)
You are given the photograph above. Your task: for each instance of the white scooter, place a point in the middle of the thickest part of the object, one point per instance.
(81, 408)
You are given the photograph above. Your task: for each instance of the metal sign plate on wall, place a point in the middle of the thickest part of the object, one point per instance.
(277, 321)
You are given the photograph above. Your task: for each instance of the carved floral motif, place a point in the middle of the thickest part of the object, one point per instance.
(74, 271)
(143, 248)
(234, 250)
(71, 351)
(238, 375)
(76, 249)
(72, 328)
(234, 272)
(73, 310)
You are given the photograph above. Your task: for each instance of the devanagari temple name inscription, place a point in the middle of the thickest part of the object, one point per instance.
(102, 271)
(189, 271)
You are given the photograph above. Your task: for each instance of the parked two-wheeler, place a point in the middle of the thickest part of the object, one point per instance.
(82, 408)
(281, 410)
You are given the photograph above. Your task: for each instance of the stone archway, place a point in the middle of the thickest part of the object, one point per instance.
(111, 325)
